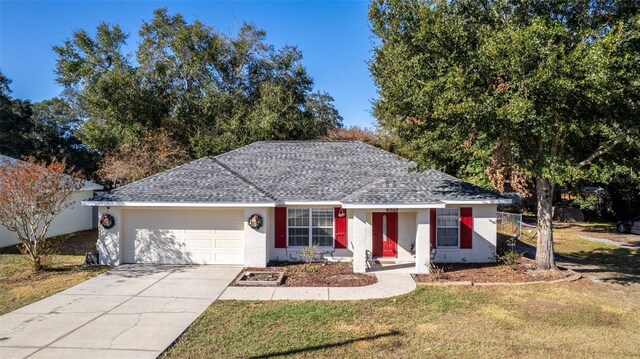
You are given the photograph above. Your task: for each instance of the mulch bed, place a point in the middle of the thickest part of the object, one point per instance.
(324, 274)
(524, 271)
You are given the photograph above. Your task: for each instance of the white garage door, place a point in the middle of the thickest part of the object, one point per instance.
(183, 236)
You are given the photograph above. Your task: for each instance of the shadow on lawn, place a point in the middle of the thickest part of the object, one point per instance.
(612, 265)
(327, 346)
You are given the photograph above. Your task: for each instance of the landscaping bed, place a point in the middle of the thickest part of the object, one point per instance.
(523, 271)
(323, 274)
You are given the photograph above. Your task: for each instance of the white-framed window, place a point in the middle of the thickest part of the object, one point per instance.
(310, 226)
(448, 227)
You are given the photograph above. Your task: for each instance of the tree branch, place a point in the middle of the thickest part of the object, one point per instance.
(604, 148)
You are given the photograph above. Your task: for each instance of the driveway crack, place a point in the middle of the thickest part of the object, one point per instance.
(125, 330)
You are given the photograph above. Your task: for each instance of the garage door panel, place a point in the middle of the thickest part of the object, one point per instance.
(198, 258)
(228, 243)
(229, 225)
(183, 237)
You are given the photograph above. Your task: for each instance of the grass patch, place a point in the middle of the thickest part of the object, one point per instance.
(606, 262)
(574, 319)
(566, 320)
(20, 286)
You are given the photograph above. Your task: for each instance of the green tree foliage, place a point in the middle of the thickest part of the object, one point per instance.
(16, 124)
(43, 131)
(56, 124)
(211, 91)
(534, 91)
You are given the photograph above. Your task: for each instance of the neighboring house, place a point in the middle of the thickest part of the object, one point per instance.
(352, 199)
(73, 219)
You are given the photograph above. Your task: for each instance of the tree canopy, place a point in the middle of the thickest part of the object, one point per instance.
(212, 92)
(530, 91)
(42, 130)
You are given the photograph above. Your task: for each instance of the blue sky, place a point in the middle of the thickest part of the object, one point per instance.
(333, 35)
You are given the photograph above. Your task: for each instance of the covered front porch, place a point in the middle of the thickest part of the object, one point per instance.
(390, 239)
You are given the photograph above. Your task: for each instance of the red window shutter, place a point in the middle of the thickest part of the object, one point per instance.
(281, 227)
(466, 227)
(432, 227)
(340, 228)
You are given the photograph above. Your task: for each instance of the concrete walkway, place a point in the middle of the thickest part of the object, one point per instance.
(608, 242)
(389, 284)
(133, 311)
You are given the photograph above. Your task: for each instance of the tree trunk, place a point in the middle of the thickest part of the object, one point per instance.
(544, 250)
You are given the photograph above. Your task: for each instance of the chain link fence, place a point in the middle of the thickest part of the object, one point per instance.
(510, 224)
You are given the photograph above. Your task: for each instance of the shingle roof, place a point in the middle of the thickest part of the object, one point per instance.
(300, 171)
(419, 188)
(201, 181)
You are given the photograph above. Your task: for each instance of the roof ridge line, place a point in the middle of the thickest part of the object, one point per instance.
(243, 179)
(415, 164)
(364, 188)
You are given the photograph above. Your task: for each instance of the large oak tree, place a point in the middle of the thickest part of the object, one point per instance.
(209, 90)
(539, 92)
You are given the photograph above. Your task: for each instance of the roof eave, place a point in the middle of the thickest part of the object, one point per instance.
(479, 201)
(176, 204)
(392, 205)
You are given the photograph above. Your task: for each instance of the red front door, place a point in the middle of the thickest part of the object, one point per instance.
(385, 234)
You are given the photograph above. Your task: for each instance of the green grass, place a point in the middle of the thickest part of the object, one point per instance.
(578, 319)
(603, 261)
(20, 286)
(565, 320)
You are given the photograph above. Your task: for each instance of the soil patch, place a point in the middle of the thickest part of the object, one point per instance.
(324, 274)
(524, 271)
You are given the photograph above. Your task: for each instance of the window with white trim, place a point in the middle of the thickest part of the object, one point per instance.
(448, 227)
(310, 226)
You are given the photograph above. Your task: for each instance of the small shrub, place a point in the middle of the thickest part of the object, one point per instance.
(435, 270)
(309, 254)
(510, 258)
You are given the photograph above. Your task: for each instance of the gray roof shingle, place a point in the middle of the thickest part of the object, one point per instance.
(301, 171)
(201, 181)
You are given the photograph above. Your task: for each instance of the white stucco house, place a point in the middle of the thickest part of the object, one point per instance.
(355, 201)
(73, 219)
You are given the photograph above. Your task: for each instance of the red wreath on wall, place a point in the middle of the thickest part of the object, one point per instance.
(107, 221)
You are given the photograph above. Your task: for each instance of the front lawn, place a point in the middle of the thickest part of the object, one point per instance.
(19, 286)
(603, 261)
(565, 320)
(570, 320)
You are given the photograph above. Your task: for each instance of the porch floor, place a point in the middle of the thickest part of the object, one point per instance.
(390, 265)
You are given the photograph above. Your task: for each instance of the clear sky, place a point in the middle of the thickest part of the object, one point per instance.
(334, 38)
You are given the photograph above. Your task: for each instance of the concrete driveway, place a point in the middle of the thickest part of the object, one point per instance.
(133, 311)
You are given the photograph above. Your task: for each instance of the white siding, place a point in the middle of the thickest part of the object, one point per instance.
(406, 235)
(484, 238)
(73, 219)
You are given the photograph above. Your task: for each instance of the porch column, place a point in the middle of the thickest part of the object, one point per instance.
(359, 242)
(423, 243)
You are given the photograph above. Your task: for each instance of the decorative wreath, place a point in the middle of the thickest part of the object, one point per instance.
(107, 221)
(255, 221)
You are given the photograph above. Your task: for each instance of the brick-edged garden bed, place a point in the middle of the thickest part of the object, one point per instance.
(322, 274)
(522, 272)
